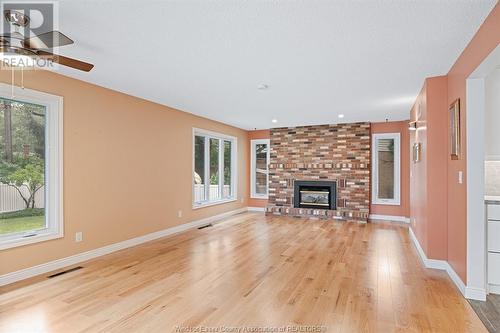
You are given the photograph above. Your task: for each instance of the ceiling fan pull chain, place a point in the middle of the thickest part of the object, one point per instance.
(12, 83)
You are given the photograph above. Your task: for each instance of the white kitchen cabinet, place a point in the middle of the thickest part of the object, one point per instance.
(493, 212)
(493, 238)
(494, 268)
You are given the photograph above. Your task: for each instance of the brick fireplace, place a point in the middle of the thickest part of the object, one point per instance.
(324, 158)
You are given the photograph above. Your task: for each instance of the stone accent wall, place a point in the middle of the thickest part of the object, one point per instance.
(325, 152)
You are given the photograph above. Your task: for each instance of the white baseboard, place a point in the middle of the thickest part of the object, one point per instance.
(494, 289)
(476, 293)
(256, 209)
(84, 256)
(390, 218)
(467, 292)
(456, 279)
(428, 263)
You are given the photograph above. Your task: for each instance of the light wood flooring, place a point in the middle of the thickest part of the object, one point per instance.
(252, 272)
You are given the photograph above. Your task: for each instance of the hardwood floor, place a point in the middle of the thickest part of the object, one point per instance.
(249, 271)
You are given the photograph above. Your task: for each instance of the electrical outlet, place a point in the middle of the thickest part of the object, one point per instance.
(78, 236)
(179, 213)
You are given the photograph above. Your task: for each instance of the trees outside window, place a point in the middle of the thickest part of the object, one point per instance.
(215, 161)
(30, 166)
(259, 168)
(386, 169)
(22, 165)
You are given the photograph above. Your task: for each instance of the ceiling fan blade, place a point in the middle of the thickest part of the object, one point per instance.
(47, 40)
(65, 61)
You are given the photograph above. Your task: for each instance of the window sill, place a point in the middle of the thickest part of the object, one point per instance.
(387, 203)
(213, 203)
(20, 241)
(255, 196)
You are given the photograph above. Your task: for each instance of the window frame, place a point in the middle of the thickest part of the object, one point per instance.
(54, 215)
(234, 167)
(396, 201)
(253, 161)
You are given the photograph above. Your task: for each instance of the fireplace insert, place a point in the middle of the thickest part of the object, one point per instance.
(315, 194)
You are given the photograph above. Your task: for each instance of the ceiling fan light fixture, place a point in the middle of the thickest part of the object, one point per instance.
(16, 18)
(18, 50)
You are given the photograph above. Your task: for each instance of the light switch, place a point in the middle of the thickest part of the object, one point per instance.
(460, 177)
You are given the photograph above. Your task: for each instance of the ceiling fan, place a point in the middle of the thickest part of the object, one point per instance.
(15, 44)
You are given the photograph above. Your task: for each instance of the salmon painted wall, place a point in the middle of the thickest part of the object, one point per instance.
(404, 208)
(418, 171)
(437, 155)
(254, 135)
(486, 40)
(127, 168)
(429, 175)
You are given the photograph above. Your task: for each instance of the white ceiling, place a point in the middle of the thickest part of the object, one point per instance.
(365, 59)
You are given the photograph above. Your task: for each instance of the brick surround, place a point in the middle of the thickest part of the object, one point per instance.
(325, 152)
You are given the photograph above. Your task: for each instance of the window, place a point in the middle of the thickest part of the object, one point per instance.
(214, 168)
(30, 167)
(260, 168)
(386, 169)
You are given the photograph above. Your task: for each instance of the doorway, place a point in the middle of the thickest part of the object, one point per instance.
(481, 147)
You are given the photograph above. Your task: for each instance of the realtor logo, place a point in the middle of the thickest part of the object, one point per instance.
(37, 18)
(26, 28)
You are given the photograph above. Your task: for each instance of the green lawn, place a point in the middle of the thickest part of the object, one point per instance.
(16, 222)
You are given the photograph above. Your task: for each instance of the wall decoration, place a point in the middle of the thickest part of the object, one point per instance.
(454, 114)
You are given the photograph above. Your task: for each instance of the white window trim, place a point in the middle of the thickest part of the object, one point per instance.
(234, 167)
(253, 162)
(53, 171)
(397, 169)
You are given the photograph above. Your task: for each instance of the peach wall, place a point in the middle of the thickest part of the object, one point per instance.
(486, 40)
(254, 135)
(127, 168)
(437, 155)
(418, 171)
(447, 240)
(429, 176)
(404, 208)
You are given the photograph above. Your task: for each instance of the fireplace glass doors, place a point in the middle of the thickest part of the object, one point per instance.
(315, 194)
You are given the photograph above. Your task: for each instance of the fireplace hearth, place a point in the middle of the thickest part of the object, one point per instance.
(315, 194)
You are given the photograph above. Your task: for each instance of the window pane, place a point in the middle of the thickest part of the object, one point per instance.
(214, 169)
(385, 150)
(199, 169)
(227, 169)
(22, 167)
(261, 169)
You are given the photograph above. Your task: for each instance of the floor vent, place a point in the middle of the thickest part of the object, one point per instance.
(205, 226)
(64, 272)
